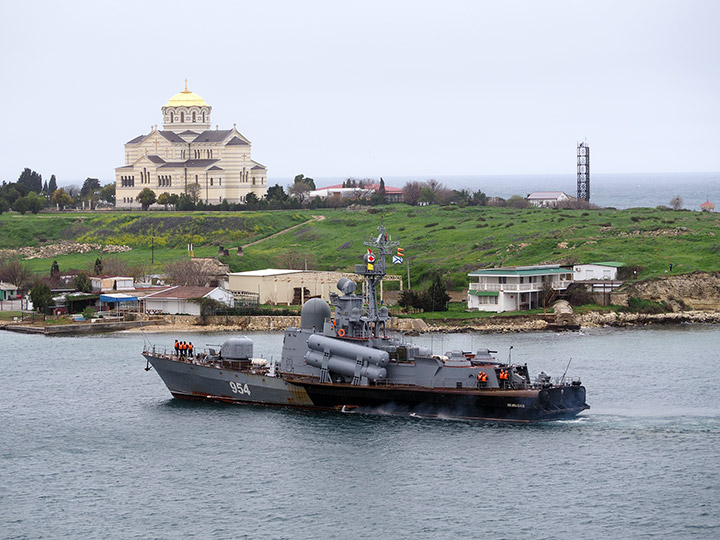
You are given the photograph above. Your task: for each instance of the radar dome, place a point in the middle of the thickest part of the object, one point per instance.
(314, 313)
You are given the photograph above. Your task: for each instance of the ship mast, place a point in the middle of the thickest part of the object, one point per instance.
(373, 271)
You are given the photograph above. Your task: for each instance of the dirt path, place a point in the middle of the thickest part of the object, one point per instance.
(314, 218)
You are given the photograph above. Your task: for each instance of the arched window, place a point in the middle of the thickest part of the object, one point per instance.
(193, 116)
(203, 116)
(182, 117)
(172, 117)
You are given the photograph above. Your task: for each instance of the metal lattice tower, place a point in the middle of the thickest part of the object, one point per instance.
(583, 172)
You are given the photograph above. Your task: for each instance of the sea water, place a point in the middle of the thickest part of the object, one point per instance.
(94, 446)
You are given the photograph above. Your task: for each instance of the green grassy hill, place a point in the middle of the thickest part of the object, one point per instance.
(452, 240)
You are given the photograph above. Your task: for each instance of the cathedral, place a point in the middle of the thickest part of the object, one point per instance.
(186, 156)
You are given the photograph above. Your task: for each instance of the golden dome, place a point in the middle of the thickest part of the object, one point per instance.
(186, 98)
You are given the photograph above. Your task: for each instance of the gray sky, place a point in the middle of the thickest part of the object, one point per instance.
(363, 89)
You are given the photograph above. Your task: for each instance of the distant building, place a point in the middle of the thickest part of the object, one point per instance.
(596, 271)
(111, 283)
(515, 288)
(183, 300)
(548, 199)
(707, 206)
(8, 291)
(283, 286)
(338, 191)
(187, 156)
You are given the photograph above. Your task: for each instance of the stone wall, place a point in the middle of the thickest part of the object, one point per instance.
(696, 291)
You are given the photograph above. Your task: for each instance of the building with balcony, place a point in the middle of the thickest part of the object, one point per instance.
(515, 288)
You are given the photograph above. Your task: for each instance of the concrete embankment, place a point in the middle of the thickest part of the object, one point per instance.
(81, 328)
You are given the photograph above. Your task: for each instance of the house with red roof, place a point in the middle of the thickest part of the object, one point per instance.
(707, 206)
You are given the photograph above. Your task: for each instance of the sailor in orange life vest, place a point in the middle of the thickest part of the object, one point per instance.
(190, 349)
(177, 348)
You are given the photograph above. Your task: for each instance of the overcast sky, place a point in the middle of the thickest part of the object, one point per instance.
(364, 89)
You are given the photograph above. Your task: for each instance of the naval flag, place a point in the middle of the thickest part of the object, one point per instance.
(397, 259)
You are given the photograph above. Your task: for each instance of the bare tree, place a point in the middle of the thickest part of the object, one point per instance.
(411, 192)
(15, 272)
(676, 203)
(187, 272)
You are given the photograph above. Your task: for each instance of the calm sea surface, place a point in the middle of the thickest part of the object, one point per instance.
(92, 446)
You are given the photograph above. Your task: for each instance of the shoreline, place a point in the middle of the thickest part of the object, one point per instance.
(593, 319)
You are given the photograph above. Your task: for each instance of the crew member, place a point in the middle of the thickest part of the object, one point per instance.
(177, 348)
(190, 349)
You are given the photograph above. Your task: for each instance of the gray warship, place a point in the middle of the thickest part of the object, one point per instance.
(343, 359)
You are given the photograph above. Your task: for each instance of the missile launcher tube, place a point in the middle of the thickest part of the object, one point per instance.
(345, 366)
(347, 350)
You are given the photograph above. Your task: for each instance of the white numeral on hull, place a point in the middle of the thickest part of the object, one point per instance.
(239, 388)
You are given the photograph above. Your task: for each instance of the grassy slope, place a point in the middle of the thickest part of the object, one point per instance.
(450, 239)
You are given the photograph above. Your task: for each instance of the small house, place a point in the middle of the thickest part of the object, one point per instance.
(548, 199)
(596, 271)
(184, 300)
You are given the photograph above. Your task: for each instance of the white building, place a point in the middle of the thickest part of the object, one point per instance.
(112, 283)
(548, 199)
(515, 288)
(187, 156)
(183, 300)
(283, 286)
(596, 271)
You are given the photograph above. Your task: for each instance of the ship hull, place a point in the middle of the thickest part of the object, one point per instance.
(533, 405)
(187, 380)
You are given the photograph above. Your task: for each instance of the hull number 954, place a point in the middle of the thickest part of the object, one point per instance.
(239, 388)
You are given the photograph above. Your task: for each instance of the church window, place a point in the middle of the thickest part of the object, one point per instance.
(182, 117)
(219, 181)
(172, 117)
(203, 117)
(193, 116)
(211, 181)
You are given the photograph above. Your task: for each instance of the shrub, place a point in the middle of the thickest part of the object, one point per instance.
(640, 305)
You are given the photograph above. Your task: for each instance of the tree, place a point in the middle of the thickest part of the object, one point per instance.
(98, 267)
(146, 197)
(41, 297)
(52, 186)
(300, 191)
(193, 191)
(164, 199)
(32, 202)
(676, 203)
(479, 198)
(276, 193)
(21, 205)
(82, 282)
(251, 199)
(4, 206)
(61, 198)
(436, 298)
(427, 195)
(381, 191)
(187, 272)
(31, 179)
(301, 178)
(89, 187)
(107, 193)
(411, 192)
(516, 201)
(15, 272)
